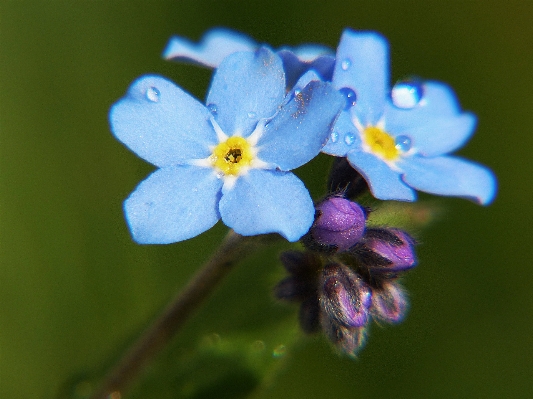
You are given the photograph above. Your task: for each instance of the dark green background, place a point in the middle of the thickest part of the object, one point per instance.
(75, 290)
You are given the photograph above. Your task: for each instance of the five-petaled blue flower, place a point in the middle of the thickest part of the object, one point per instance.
(399, 141)
(230, 159)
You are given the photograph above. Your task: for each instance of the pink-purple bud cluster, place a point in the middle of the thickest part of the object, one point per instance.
(349, 274)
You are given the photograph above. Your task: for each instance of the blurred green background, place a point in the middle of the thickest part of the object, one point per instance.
(75, 290)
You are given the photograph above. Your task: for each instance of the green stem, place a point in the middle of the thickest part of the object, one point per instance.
(231, 251)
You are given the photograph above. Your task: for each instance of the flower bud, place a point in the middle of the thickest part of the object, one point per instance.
(340, 223)
(348, 340)
(389, 302)
(310, 315)
(389, 250)
(344, 296)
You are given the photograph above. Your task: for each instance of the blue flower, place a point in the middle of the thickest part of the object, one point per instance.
(218, 43)
(399, 140)
(230, 159)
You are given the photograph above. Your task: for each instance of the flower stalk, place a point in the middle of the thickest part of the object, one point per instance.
(233, 249)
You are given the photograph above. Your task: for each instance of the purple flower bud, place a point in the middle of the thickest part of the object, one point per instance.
(348, 340)
(340, 223)
(344, 296)
(389, 303)
(309, 315)
(294, 289)
(300, 263)
(392, 250)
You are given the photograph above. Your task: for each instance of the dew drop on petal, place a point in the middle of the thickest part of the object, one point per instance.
(220, 175)
(334, 137)
(349, 96)
(153, 94)
(252, 115)
(212, 108)
(406, 95)
(345, 64)
(403, 143)
(349, 138)
(297, 92)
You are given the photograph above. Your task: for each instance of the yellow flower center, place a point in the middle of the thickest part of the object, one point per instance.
(381, 143)
(231, 155)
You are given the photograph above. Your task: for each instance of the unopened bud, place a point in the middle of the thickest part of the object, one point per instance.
(389, 303)
(348, 340)
(340, 223)
(344, 296)
(389, 250)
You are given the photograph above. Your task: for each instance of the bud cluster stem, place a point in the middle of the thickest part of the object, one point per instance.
(231, 251)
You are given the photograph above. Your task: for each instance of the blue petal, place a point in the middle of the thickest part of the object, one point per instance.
(344, 137)
(247, 87)
(363, 66)
(161, 123)
(436, 136)
(265, 201)
(173, 204)
(450, 176)
(305, 79)
(306, 58)
(215, 45)
(384, 183)
(301, 128)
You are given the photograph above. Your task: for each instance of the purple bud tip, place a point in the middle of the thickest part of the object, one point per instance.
(389, 303)
(341, 223)
(344, 296)
(395, 246)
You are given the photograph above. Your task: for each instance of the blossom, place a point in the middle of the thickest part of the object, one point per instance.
(228, 160)
(400, 140)
(218, 43)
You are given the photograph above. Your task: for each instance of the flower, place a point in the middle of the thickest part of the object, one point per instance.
(400, 142)
(218, 43)
(228, 160)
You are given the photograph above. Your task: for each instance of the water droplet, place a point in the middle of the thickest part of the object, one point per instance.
(212, 108)
(220, 175)
(334, 137)
(297, 92)
(279, 351)
(252, 115)
(345, 64)
(403, 143)
(153, 94)
(407, 95)
(349, 96)
(349, 138)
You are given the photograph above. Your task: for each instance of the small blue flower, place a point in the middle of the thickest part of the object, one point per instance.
(230, 159)
(218, 43)
(399, 140)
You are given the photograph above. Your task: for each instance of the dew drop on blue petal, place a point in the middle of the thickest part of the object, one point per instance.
(212, 108)
(407, 95)
(252, 115)
(334, 137)
(297, 92)
(349, 96)
(349, 138)
(345, 64)
(403, 143)
(153, 94)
